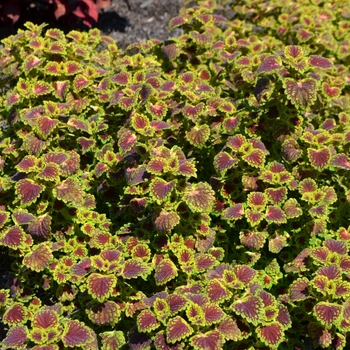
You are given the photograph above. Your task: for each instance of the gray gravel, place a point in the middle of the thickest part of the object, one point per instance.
(146, 19)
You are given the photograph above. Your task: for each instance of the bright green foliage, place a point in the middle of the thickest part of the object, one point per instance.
(192, 193)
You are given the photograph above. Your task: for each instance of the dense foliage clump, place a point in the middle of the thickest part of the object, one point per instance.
(188, 194)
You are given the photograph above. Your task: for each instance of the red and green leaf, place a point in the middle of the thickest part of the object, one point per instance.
(100, 287)
(39, 257)
(28, 191)
(147, 321)
(165, 271)
(199, 197)
(76, 334)
(177, 329)
(271, 334)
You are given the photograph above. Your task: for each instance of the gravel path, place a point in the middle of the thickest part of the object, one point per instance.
(146, 19)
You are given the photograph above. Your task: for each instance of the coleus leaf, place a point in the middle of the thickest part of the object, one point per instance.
(4, 216)
(86, 144)
(224, 161)
(161, 344)
(229, 329)
(39, 257)
(253, 240)
(299, 289)
(126, 140)
(204, 262)
(292, 208)
(199, 197)
(16, 337)
(276, 195)
(212, 313)
(234, 212)
(160, 189)
(165, 271)
(112, 340)
(257, 200)
(217, 292)
(275, 214)
(301, 93)
(27, 164)
(70, 191)
(327, 313)
(50, 172)
(176, 303)
(13, 237)
(250, 308)
(100, 286)
(341, 161)
(45, 318)
(141, 124)
(156, 165)
(76, 334)
(318, 61)
(270, 64)
(45, 126)
(135, 267)
(166, 221)
(254, 217)
(255, 158)
(277, 242)
(212, 340)
(177, 329)
(319, 158)
(106, 313)
(147, 321)
(41, 88)
(244, 274)
(271, 334)
(198, 135)
(15, 314)
(28, 191)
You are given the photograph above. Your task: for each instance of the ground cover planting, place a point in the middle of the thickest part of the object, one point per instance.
(186, 194)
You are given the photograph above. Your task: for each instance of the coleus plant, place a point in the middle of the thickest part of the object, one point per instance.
(192, 193)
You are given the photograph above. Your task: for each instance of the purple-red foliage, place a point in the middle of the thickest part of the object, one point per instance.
(187, 194)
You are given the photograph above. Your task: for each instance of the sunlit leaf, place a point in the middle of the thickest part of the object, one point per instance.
(198, 135)
(271, 334)
(319, 158)
(327, 313)
(106, 313)
(76, 334)
(28, 191)
(177, 329)
(39, 257)
(147, 321)
(166, 221)
(199, 197)
(211, 340)
(165, 271)
(160, 189)
(15, 314)
(134, 268)
(301, 93)
(100, 286)
(216, 291)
